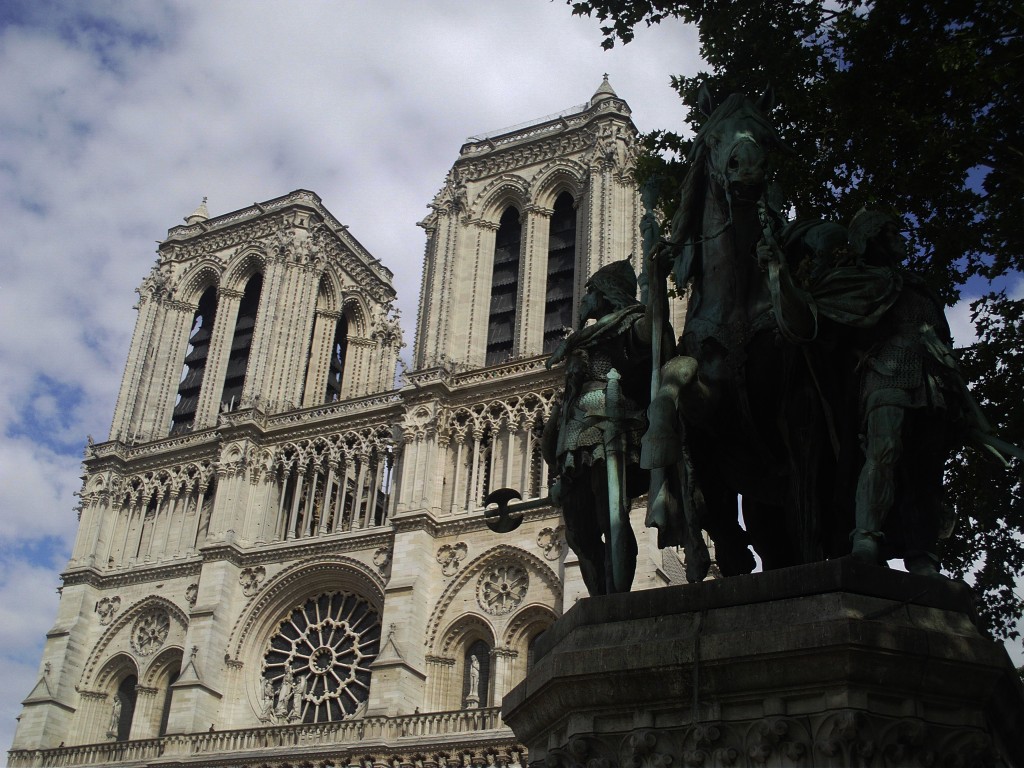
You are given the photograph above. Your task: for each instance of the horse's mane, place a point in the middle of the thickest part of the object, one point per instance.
(687, 217)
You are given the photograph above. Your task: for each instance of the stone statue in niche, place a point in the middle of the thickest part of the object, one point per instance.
(473, 697)
(115, 718)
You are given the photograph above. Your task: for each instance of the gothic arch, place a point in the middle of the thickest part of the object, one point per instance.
(162, 663)
(329, 291)
(122, 623)
(196, 279)
(94, 720)
(468, 633)
(356, 309)
(463, 630)
(502, 192)
(555, 178)
(293, 587)
(117, 666)
(294, 584)
(242, 267)
(520, 633)
(525, 621)
(502, 552)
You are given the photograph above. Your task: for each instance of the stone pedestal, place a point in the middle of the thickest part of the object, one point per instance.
(829, 664)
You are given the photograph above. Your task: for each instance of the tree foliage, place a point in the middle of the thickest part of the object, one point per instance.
(911, 107)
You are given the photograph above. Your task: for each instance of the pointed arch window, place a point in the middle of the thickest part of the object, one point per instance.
(501, 320)
(241, 343)
(476, 675)
(336, 371)
(561, 272)
(124, 708)
(165, 711)
(184, 414)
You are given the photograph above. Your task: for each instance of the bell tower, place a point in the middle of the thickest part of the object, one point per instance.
(525, 215)
(275, 304)
(280, 554)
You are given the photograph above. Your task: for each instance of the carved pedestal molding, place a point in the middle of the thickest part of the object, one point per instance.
(831, 664)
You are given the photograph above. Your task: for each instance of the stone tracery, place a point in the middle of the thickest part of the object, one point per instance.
(316, 667)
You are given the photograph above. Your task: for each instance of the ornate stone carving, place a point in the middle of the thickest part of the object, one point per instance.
(382, 559)
(844, 738)
(552, 541)
(191, 595)
(107, 607)
(317, 666)
(450, 556)
(150, 631)
(251, 579)
(641, 751)
(502, 587)
(777, 737)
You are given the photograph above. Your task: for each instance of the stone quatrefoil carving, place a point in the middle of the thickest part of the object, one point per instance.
(502, 588)
(107, 608)
(150, 631)
(450, 557)
(251, 579)
(551, 541)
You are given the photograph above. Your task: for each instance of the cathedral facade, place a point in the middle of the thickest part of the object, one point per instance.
(282, 556)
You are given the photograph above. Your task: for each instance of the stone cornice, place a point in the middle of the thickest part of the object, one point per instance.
(365, 411)
(300, 549)
(554, 138)
(510, 370)
(457, 526)
(260, 221)
(137, 574)
(180, 449)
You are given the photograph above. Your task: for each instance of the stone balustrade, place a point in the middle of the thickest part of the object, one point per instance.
(382, 734)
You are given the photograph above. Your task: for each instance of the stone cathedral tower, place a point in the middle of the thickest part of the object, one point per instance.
(282, 558)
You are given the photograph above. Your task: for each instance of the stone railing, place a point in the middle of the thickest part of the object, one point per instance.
(87, 754)
(405, 732)
(359, 405)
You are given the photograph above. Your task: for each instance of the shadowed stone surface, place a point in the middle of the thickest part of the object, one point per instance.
(834, 663)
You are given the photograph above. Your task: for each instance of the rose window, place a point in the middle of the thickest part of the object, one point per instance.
(150, 631)
(501, 588)
(317, 665)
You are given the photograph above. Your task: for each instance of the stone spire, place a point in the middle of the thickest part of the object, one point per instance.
(604, 91)
(199, 214)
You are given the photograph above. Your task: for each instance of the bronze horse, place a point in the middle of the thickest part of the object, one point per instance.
(740, 406)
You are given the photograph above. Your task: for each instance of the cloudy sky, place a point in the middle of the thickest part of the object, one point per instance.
(116, 118)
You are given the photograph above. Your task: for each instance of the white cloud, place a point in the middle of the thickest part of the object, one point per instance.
(118, 117)
(960, 325)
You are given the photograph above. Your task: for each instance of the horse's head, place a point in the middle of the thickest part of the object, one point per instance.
(733, 144)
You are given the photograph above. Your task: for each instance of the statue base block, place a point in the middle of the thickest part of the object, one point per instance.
(829, 664)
